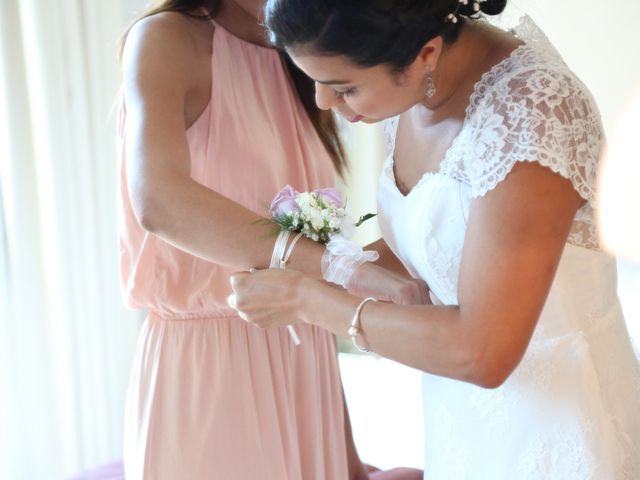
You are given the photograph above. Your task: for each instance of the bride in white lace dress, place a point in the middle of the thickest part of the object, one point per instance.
(487, 194)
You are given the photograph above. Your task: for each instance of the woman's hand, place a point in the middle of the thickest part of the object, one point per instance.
(276, 298)
(371, 280)
(269, 298)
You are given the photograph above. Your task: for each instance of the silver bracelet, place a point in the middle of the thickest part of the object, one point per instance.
(354, 329)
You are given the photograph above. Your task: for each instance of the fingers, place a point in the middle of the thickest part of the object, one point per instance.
(236, 280)
(261, 297)
(240, 283)
(231, 301)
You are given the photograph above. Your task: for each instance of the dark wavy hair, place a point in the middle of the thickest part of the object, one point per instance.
(322, 121)
(368, 32)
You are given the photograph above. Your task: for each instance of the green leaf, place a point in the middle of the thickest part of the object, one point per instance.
(364, 218)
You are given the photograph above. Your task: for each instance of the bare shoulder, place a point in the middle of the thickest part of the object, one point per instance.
(167, 45)
(166, 30)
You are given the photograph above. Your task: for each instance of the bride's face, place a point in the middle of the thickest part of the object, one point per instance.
(367, 94)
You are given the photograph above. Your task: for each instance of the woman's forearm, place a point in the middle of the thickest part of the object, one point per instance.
(387, 258)
(211, 226)
(198, 220)
(433, 339)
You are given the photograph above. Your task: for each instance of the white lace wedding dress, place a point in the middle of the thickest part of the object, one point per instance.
(570, 409)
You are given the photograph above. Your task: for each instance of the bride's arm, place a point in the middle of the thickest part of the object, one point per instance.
(387, 258)
(515, 237)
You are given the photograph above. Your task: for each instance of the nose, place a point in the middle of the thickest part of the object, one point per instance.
(326, 97)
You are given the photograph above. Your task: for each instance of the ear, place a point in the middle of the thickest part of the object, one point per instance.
(429, 55)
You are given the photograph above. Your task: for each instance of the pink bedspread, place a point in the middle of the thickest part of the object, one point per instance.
(115, 471)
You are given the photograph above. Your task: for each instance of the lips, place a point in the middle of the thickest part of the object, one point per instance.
(354, 119)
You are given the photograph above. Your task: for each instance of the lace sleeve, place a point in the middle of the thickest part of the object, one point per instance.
(542, 115)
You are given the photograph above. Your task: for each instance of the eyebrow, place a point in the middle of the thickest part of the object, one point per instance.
(333, 82)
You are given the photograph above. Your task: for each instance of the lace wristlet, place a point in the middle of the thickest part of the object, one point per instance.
(342, 258)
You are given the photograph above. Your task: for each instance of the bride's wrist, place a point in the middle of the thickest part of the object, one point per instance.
(322, 304)
(365, 269)
(342, 258)
(307, 293)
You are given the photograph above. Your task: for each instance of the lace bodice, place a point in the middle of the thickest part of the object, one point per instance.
(528, 108)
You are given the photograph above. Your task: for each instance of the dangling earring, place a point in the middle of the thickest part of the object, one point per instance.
(431, 86)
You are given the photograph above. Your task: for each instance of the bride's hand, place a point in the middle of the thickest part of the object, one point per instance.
(268, 298)
(276, 298)
(371, 280)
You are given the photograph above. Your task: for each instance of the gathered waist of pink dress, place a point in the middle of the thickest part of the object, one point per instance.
(181, 316)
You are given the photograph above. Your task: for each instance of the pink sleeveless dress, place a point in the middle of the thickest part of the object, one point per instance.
(210, 396)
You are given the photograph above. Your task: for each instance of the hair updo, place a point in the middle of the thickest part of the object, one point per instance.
(368, 32)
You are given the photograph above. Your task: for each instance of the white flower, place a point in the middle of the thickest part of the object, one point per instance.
(306, 201)
(334, 223)
(317, 222)
(317, 216)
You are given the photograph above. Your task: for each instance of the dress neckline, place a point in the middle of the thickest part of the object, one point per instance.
(217, 28)
(240, 40)
(479, 89)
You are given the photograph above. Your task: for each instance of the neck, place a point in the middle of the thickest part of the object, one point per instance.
(461, 64)
(241, 23)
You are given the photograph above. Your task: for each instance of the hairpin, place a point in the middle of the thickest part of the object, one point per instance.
(453, 16)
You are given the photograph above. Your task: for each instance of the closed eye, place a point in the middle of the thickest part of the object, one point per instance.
(345, 93)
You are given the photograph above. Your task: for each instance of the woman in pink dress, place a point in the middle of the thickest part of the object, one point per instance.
(211, 128)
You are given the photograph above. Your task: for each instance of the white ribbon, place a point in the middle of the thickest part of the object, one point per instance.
(340, 246)
(341, 259)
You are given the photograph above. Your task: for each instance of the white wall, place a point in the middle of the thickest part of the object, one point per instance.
(598, 39)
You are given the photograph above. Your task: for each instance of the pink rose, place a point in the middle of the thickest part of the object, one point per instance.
(284, 202)
(330, 195)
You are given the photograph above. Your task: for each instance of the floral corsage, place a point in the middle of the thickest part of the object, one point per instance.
(319, 215)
